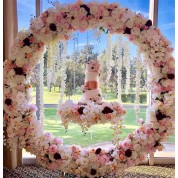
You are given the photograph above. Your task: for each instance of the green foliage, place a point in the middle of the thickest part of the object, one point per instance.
(130, 98)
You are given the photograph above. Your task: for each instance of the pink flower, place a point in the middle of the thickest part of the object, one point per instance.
(108, 116)
(75, 155)
(149, 131)
(52, 149)
(140, 121)
(20, 87)
(104, 159)
(48, 135)
(126, 144)
(33, 108)
(142, 157)
(130, 162)
(53, 166)
(170, 49)
(58, 141)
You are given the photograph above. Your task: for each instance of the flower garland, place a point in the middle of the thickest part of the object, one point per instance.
(23, 128)
(138, 75)
(41, 86)
(119, 69)
(63, 73)
(109, 57)
(127, 66)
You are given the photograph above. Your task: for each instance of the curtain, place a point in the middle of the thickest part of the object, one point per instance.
(10, 28)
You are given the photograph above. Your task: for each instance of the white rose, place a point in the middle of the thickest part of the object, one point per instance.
(75, 23)
(129, 24)
(93, 10)
(11, 73)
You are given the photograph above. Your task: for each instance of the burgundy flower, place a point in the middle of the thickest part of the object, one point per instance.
(26, 42)
(8, 101)
(86, 8)
(52, 27)
(170, 76)
(107, 110)
(93, 172)
(159, 115)
(57, 156)
(128, 153)
(127, 30)
(156, 144)
(148, 23)
(98, 151)
(18, 71)
(80, 110)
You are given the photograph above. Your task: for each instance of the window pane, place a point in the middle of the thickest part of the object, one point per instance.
(166, 23)
(166, 19)
(25, 11)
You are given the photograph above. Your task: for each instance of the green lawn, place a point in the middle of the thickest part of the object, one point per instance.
(96, 134)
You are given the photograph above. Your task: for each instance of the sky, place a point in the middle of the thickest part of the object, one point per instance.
(166, 20)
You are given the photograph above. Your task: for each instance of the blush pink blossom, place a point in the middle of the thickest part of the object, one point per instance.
(126, 144)
(53, 166)
(58, 141)
(130, 162)
(20, 87)
(108, 116)
(149, 131)
(52, 149)
(33, 108)
(104, 159)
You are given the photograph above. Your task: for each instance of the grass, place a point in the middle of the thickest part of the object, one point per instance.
(96, 134)
(54, 96)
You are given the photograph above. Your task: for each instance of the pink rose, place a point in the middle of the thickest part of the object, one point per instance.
(20, 87)
(108, 116)
(142, 157)
(58, 141)
(33, 108)
(126, 144)
(149, 131)
(48, 135)
(130, 162)
(75, 155)
(104, 159)
(52, 149)
(53, 166)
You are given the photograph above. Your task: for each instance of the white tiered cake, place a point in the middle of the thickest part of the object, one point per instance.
(91, 90)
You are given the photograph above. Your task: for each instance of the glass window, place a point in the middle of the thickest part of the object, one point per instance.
(25, 11)
(166, 23)
(166, 19)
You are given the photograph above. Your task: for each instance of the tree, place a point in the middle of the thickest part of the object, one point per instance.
(87, 54)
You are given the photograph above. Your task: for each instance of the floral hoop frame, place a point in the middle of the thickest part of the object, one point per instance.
(23, 128)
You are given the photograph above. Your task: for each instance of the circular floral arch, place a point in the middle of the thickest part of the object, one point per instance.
(58, 23)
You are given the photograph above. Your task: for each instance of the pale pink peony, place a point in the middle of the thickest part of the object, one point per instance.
(20, 87)
(33, 108)
(58, 141)
(53, 166)
(52, 149)
(126, 144)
